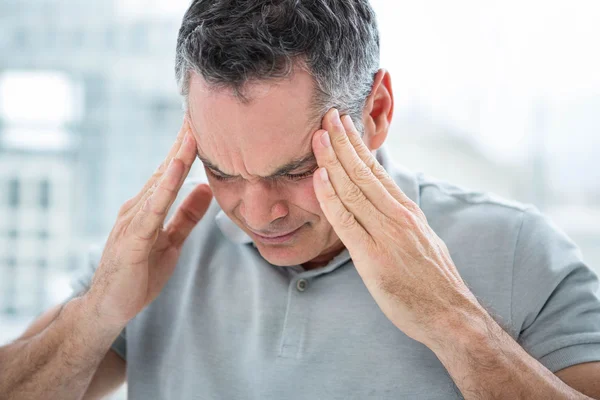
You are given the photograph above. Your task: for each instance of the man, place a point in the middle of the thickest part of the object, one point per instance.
(322, 270)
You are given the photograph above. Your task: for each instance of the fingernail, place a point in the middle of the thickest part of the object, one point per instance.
(325, 139)
(324, 175)
(336, 117)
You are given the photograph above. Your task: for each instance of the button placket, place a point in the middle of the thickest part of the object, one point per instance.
(294, 328)
(295, 325)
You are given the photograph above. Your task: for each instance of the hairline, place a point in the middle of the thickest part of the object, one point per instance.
(320, 101)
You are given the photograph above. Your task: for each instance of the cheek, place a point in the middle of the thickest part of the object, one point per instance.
(305, 197)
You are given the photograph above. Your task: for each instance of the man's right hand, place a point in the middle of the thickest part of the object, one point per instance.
(141, 253)
(66, 353)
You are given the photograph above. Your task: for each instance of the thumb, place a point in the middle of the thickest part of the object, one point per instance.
(188, 214)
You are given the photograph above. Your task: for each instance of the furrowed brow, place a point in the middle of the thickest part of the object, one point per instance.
(210, 165)
(293, 165)
(307, 160)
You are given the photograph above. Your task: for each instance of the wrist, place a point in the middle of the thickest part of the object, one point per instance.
(91, 321)
(461, 329)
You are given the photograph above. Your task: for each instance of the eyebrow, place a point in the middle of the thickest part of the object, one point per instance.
(297, 163)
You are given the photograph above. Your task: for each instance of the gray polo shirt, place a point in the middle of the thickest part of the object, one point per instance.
(230, 325)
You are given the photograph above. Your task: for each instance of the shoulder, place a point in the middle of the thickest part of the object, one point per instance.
(485, 214)
(438, 193)
(460, 209)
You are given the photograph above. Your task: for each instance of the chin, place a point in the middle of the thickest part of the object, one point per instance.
(283, 256)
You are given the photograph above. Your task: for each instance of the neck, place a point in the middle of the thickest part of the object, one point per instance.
(324, 258)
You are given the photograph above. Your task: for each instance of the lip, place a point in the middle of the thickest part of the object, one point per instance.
(277, 239)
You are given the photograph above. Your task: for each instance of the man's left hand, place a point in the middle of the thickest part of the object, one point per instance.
(406, 267)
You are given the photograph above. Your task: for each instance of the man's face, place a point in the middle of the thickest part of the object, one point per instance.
(259, 162)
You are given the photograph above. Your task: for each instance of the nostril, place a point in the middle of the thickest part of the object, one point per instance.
(263, 214)
(279, 210)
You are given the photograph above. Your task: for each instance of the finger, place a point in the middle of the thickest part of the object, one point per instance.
(188, 214)
(187, 154)
(349, 193)
(357, 170)
(150, 217)
(371, 162)
(150, 185)
(346, 226)
(351, 196)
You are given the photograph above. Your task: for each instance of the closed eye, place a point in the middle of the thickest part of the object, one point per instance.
(297, 177)
(291, 177)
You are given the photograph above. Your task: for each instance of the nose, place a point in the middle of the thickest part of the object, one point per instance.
(262, 205)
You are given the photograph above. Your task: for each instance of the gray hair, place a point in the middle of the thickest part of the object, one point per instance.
(232, 42)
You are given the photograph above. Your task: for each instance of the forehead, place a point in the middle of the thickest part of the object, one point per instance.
(274, 125)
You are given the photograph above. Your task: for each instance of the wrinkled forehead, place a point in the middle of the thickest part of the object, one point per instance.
(275, 121)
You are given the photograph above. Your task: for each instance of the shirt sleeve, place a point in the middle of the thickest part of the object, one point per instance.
(556, 296)
(81, 282)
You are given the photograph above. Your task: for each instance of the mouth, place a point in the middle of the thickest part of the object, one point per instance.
(276, 239)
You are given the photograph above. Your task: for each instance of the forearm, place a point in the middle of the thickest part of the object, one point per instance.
(486, 363)
(60, 361)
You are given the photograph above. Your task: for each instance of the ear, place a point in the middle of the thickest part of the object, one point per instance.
(379, 107)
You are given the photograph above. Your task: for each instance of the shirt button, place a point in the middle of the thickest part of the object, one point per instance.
(301, 285)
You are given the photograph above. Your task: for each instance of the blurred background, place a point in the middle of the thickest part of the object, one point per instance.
(494, 96)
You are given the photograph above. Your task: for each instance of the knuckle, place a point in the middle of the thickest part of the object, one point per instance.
(170, 187)
(120, 227)
(398, 213)
(141, 238)
(158, 212)
(402, 216)
(381, 218)
(167, 190)
(412, 208)
(340, 141)
(377, 169)
(352, 192)
(168, 181)
(370, 161)
(346, 219)
(332, 162)
(150, 206)
(362, 173)
(137, 232)
(149, 192)
(190, 215)
(134, 225)
(411, 220)
(331, 196)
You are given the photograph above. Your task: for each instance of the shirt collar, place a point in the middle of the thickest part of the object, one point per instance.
(406, 180)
